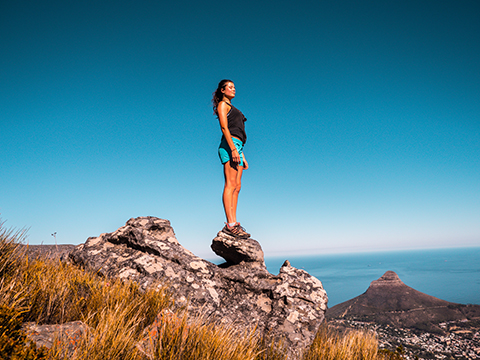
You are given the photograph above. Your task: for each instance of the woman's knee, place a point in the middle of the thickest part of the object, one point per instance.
(233, 186)
(238, 186)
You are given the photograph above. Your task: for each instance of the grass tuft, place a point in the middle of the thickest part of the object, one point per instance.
(331, 344)
(184, 337)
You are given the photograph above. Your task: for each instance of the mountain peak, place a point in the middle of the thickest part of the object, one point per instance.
(390, 278)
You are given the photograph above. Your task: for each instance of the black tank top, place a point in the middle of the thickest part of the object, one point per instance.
(236, 123)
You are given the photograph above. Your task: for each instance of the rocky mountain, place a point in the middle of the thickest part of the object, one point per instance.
(290, 305)
(389, 301)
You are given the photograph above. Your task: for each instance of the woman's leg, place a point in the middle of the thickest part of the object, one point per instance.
(233, 183)
(237, 191)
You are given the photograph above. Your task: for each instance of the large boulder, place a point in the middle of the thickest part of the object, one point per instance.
(290, 305)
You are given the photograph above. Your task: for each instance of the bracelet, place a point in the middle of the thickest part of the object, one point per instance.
(234, 150)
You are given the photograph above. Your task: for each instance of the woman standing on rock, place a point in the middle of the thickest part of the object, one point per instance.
(232, 124)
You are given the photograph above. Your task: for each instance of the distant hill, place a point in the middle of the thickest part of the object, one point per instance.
(388, 301)
(49, 251)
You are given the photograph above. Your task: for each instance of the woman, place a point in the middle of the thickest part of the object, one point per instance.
(232, 124)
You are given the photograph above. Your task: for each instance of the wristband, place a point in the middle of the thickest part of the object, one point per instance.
(234, 150)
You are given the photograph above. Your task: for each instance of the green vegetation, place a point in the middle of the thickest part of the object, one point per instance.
(125, 322)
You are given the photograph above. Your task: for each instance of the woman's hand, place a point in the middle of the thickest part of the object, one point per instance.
(245, 163)
(235, 156)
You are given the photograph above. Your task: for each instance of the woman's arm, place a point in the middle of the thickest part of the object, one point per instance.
(222, 117)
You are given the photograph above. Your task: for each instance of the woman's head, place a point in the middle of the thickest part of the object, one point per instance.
(224, 88)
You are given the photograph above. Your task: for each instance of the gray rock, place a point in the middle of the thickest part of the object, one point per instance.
(70, 333)
(235, 250)
(290, 305)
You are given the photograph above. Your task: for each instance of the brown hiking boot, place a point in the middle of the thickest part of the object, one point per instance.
(237, 231)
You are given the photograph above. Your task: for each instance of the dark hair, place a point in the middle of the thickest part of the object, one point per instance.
(218, 95)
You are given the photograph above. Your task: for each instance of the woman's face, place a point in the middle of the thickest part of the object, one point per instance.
(229, 90)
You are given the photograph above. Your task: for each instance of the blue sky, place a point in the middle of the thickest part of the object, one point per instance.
(363, 120)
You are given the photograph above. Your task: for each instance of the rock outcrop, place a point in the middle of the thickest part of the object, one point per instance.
(388, 301)
(290, 305)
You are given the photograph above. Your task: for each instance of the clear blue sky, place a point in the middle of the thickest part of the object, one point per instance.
(363, 120)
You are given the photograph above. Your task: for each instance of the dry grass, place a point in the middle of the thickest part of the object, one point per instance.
(120, 316)
(53, 292)
(48, 291)
(332, 345)
(113, 335)
(11, 252)
(184, 337)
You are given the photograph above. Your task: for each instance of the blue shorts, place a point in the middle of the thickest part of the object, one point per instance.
(225, 153)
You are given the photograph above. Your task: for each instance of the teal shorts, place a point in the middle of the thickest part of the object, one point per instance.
(225, 153)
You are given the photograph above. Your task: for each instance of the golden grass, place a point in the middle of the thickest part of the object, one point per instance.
(51, 292)
(120, 315)
(184, 337)
(333, 345)
(113, 336)
(54, 292)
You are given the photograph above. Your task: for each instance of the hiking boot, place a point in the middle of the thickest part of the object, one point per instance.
(242, 230)
(237, 231)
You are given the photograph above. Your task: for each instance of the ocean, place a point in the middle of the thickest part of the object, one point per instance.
(448, 274)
